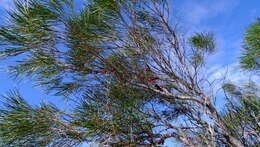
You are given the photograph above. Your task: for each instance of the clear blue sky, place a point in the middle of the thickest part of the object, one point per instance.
(227, 19)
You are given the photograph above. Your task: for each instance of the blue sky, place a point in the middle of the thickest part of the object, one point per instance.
(227, 19)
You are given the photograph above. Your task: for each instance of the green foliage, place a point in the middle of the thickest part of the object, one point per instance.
(231, 89)
(54, 42)
(117, 112)
(203, 41)
(110, 59)
(197, 59)
(251, 54)
(242, 114)
(24, 125)
(243, 107)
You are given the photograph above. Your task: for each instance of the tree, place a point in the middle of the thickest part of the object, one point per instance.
(242, 112)
(251, 53)
(135, 80)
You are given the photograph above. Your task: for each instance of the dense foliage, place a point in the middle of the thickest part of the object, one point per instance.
(251, 53)
(132, 78)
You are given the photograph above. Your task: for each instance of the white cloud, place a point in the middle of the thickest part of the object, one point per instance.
(217, 75)
(231, 73)
(198, 11)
